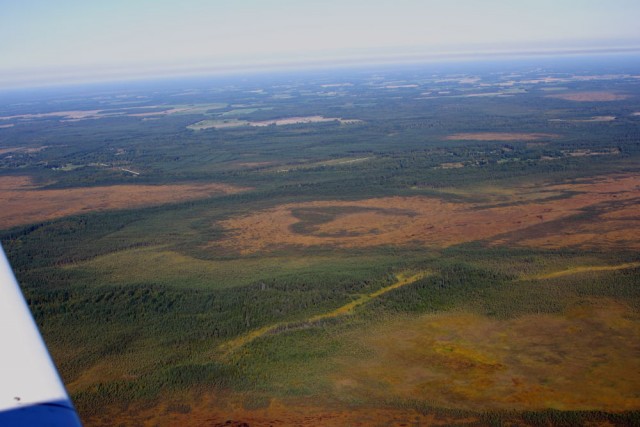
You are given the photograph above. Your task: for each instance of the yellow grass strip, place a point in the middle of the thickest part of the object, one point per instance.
(348, 308)
(231, 346)
(583, 269)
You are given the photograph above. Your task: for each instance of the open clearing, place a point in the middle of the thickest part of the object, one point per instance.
(232, 123)
(499, 136)
(158, 264)
(344, 161)
(76, 115)
(431, 222)
(595, 96)
(23, 203)
(179, 109)
(465, 360)
(22, 149)
(252, 164)
(594, 119)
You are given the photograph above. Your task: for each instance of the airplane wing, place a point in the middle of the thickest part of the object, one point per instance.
(31, 392)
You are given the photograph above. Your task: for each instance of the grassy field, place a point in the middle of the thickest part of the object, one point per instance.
(467, 257)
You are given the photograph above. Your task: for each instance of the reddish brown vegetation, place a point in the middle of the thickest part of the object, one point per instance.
(432, 222)
(228, 410)
(23, 203)
(596, 96)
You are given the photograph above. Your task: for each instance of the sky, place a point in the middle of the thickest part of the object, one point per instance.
(48, 40)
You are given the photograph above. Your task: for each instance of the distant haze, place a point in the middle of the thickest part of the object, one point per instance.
(45, 41)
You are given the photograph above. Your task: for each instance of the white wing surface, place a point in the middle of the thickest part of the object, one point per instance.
(31, 392)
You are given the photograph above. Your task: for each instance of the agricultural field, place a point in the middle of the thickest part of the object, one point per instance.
(435, 244)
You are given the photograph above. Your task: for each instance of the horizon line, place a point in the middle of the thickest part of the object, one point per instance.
(73, 76)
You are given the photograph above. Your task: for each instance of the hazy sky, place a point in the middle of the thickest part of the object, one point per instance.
(37, 36)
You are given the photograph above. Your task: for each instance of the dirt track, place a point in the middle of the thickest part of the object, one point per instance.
(402, 280)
